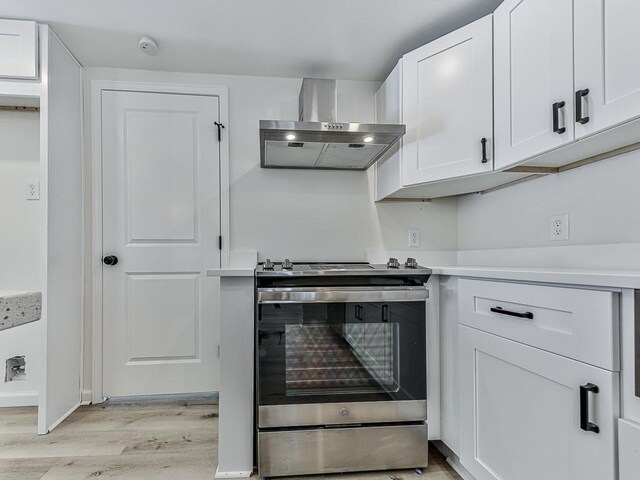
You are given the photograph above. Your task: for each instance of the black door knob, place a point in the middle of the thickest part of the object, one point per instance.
(110, 260)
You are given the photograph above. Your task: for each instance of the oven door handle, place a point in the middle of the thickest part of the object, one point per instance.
(342, 294)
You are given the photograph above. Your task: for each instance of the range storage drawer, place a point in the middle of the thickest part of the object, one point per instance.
(332, 450)
(576, 323)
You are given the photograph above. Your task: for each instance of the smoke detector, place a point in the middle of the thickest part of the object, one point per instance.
(148, 46)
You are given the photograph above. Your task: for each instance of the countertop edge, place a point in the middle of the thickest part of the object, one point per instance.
(584, 277)
(231, 272)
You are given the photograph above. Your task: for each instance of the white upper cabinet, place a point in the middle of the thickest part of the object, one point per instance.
(533, 78)
(388, 103)
(447, 106)
(607, 66)
(18, 49)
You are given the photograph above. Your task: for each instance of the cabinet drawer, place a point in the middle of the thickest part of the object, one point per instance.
(576, 323)
(18, 49)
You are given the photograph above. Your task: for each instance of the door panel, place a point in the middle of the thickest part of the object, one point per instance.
(607, 46)
(162, 220)
(520, 413)
(533, 53)
(447, 105)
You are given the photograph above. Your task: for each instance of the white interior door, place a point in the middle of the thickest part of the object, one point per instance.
(607, 48)
(533, 55)
(520, 413)
(448, 106)
(62, 233)
(161, 219)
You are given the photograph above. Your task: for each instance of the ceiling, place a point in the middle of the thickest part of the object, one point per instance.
(344, 39)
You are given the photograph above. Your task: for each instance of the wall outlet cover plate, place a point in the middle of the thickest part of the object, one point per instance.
(559, 227)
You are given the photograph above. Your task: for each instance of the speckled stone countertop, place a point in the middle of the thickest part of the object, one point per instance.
(18, 308)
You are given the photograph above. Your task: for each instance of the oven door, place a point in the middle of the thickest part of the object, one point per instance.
(340, 355)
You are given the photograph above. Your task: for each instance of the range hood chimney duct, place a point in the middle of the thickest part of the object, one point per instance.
(318, 101)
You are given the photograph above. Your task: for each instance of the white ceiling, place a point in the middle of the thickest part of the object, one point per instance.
(344, 39)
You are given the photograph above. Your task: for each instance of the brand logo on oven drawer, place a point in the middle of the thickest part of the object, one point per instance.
(344, 412)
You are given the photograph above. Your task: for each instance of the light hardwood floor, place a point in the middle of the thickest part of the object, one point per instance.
(137, 441)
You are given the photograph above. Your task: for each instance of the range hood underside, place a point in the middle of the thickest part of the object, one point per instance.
(323, 145)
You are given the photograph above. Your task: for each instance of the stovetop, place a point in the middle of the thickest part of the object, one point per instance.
(288, 268)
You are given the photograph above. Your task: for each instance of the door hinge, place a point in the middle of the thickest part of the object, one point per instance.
(220, 242)
(220, 127)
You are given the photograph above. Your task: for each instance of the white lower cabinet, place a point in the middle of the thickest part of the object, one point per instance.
(629, 449)
(527, 414)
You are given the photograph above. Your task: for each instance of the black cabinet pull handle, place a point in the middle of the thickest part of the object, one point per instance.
(585, 424)
(502, 311)
(556, 118)
(580, 94)
(385, 314)
(484, 150)
(358, 312)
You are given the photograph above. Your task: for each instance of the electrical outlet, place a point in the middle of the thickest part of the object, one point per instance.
(414, 238)
(559, 227)
(33, 191)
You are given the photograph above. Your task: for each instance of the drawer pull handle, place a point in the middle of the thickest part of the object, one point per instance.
(502, 311)
(585, 424)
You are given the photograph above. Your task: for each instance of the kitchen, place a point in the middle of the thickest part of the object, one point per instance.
(554, 237)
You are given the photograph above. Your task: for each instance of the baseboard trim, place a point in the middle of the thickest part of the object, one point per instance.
(63, 417)
(239, 474)
(460, 470)
(86, 397)
(19, 399)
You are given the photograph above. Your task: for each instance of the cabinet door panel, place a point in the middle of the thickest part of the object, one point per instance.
(447, 105)
(533, 70)
(520, 413)
(607, 48)
(18, 49)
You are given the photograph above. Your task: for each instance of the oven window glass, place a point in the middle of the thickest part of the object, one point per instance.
(318, 353)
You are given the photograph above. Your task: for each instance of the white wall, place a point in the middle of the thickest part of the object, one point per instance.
(19, 245)
(602, 200)
(302, 215)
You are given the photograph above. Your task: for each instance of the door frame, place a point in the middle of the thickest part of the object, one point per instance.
(97, 87)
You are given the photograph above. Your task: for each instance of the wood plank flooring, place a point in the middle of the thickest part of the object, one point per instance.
(138, 441)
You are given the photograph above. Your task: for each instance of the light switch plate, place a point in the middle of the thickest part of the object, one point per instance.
(414, 238)
(559, 227)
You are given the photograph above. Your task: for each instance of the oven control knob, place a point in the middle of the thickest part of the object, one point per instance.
(393, 263)
(344, 412)
(287, 265)
(268, 264)
(411, 263)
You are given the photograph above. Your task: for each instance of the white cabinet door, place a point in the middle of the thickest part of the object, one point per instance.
(447, 106)
(533, 75)
(607, 49)
(18, 49)
(629, 449)
(521, 412)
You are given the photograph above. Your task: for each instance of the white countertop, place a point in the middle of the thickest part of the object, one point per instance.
(231, 272)
(569, 276)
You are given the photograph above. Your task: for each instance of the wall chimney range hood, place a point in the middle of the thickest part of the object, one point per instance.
(318, 141)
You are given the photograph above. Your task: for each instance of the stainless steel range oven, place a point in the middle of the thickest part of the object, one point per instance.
(340, 367)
